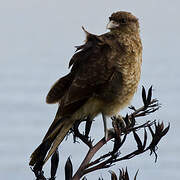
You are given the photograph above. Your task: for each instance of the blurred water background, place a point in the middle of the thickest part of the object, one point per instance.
(37, 39)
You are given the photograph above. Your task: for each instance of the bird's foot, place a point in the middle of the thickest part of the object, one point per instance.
(120, 121)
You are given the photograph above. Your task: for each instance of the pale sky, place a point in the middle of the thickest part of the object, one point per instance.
(37, 39)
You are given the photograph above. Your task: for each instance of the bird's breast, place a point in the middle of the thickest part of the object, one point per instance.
(128, 84)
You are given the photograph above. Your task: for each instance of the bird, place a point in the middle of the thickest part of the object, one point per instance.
(104, 75)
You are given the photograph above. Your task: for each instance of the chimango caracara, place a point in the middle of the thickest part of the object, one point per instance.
(105, 72)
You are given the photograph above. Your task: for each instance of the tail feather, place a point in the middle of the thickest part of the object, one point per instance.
(51, 142)
(39, 154)
(59, 139)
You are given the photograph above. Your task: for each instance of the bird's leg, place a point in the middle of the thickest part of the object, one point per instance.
(105, 126)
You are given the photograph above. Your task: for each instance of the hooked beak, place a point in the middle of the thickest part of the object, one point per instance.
(112, 24)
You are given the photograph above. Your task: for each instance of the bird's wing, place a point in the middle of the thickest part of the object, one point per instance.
(94, 51)
(59, 88)
(91, 70)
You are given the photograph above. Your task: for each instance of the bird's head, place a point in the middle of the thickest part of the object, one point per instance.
(122, 20)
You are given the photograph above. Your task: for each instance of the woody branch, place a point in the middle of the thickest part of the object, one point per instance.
(122, 126)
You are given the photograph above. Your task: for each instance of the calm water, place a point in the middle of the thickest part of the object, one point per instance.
(37, 40)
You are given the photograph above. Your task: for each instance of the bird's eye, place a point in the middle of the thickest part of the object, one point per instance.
(123, 21)
(110, 18)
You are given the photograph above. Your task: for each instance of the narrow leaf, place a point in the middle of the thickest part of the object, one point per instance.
(133, 121)
(126, 120)
(113, 175)
(126, 174)
(54, 163)
(151, 131)
(166, 130)
(88, 127)
(68, 169)
(149, 95)
(138, 141)
(144, 96)
(121, 175)
(136, 174)
(145, 139)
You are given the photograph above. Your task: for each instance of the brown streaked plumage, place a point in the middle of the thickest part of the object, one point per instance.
(105, 72)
